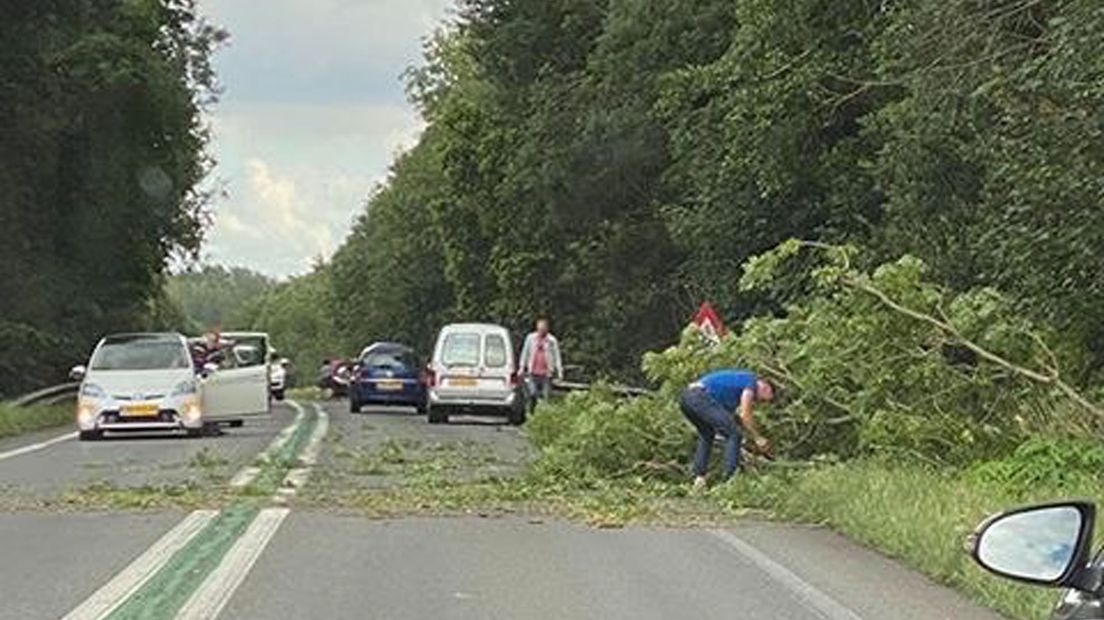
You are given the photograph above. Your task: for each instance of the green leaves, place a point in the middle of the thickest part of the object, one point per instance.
(104, 152)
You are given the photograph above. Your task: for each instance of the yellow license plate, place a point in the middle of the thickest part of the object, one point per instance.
(389, 384)
(140, 411)
(462, 381)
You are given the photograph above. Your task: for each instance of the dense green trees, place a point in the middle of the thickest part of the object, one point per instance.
(609, 163)
(101, 151)
(218, 297)
(613, 162)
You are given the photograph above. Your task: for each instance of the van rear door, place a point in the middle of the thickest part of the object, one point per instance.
(495, 373)
(461, 352)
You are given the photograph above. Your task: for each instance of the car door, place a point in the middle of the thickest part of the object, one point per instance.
(239, 388)
(459, 365)
(497, 367)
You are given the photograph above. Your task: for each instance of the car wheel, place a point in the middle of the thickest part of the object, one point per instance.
(278, 394)
(517, 416)
(196, 432)
(438, 415)
(422, 407)
(91, 435)
(354, 405)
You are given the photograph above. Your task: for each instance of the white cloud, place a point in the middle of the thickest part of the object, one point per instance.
(297, 175)
(312, 116)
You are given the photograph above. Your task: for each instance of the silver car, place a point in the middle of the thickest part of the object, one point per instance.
(474, 368)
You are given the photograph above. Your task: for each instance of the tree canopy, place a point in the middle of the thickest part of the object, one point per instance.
(612, 163)
(103, 155)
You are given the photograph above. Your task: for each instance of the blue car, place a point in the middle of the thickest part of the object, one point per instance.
(387, 373)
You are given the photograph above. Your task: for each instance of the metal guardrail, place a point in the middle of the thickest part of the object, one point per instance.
(48, 396)
(623, 390)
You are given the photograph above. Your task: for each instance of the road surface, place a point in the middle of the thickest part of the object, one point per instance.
(269, 558)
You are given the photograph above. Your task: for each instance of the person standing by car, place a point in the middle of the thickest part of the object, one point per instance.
(710, 402)
(207, 351)
(541, 361)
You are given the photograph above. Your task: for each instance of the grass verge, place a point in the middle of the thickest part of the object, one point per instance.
(917, 515)
(17, 420)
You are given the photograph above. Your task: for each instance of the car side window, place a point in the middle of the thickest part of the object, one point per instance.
(494, 351)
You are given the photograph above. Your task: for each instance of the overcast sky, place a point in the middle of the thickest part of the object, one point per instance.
(312, 115)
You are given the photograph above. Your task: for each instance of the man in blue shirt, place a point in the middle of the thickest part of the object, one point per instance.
(710, 402)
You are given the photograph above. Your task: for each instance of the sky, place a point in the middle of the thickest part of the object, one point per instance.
(312, 114)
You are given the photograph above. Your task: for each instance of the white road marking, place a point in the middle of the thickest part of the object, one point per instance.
(35, 447)
(817, 601)
(297, 476)
(130, 579)
(249, 473)
(214, 593)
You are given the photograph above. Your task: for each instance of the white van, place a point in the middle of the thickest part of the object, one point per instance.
(473, 368)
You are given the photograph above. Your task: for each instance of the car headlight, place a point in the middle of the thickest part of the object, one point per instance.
(191, 410)
(91, 390)
(185, 388)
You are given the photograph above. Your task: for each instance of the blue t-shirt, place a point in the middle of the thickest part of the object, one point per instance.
(727, 385)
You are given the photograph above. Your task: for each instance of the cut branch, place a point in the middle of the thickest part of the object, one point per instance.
(946, 327)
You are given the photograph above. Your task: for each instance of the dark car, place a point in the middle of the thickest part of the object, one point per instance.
(387, 373)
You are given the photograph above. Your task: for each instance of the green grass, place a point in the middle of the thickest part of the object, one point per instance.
(916, 515)
(17, 420)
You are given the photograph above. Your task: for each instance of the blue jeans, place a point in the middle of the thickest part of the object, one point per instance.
(710, 419)
(540, 386)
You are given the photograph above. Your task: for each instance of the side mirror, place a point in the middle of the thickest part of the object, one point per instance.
(1045, 545)
(210, 368)
(77, 373)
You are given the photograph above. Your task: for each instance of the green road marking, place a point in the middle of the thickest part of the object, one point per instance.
(167, 591)
(277, 465)
(173, 584)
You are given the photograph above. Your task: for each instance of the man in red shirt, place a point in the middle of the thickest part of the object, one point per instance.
(541, 361)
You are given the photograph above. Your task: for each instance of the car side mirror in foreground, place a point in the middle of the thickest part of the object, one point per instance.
(1045, 545)
(77, 373)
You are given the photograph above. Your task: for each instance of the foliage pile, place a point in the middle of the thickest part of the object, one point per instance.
(104, 149)
(871, 363)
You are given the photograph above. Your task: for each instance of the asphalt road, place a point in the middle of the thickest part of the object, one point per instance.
(311, 563)
(135, 460)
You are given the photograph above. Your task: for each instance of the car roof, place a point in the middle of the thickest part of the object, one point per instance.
(132, 336)
(484, 327)
(386, 346)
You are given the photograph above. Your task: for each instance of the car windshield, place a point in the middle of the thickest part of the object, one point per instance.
(394, 359)
(461, 349)
(141, 354)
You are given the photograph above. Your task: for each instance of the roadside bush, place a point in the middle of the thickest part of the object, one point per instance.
(17, 420)
(1044, 462)
(30, 357)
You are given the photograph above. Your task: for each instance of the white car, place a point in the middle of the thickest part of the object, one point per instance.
(473, 369)
(148, 382)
